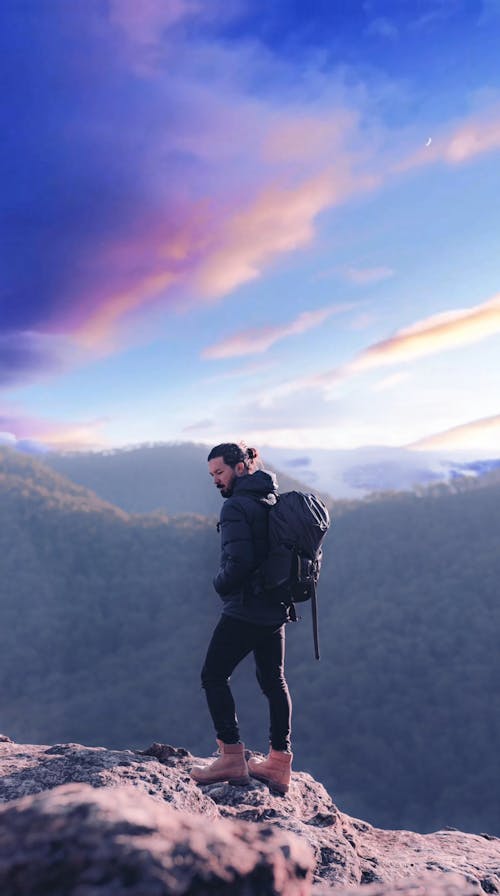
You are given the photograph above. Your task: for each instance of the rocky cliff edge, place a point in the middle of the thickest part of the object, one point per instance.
(88, 821)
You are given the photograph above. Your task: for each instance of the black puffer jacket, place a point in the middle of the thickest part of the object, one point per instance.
(243, 526)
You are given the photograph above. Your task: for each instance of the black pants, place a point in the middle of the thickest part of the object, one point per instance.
(231, 642)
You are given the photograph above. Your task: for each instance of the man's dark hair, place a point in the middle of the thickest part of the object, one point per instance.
(233, 454)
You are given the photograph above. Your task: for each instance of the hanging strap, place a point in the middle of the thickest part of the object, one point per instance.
(314, 611)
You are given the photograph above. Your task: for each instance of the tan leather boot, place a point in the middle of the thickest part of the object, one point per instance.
(230, 766)
(276, 770)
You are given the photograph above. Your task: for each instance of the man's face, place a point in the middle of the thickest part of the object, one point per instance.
(223, 475)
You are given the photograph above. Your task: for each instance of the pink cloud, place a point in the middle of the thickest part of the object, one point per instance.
(210, 250)
(130, 274)
(302, 137)
(260, 208)
(366, 276)
(260, 339)
(187, 183)
(99, 328)
(54, 434)
(278, 221)
(148, 27)
(147, 21)
(144, 20)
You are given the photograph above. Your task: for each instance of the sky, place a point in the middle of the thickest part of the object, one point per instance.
(277, 222)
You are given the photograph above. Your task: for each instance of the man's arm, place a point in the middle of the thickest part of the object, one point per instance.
(238, 553)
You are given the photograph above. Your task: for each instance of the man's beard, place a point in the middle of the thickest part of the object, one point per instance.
(227, 491)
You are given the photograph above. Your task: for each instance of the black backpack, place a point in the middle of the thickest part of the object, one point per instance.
(298, 524)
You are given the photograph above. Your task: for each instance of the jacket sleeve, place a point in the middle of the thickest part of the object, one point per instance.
(238, 553)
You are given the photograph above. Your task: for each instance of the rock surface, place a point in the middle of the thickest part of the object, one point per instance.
(76, 840)
(428, 884)
(346, 851)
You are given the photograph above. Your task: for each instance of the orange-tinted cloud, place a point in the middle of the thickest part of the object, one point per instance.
(189, 154)
(259, 339)
(476, 435)
(208, 251)
(279, 220)
(433, 335)
(210, 255)
(74, 437)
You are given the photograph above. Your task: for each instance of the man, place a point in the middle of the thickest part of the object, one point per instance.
(249, 623)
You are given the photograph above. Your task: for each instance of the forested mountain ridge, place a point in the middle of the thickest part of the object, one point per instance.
(105, 618)
(171, 478)
(85, 593)
(24, 476)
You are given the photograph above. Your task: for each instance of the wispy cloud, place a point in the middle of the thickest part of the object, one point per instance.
(438, 11)
(383, 27)
(259, 339)
(367, 276)
(145, 23)
(301, 136)
(99, 329)
(174, 185)
(279, 220)
(245, 370)
(390, 382)
(363, 320)
(151, 28)
(440, 332)
(475, 435)
(200, 425)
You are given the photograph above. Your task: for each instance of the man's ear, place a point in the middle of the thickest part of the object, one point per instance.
(240, 468)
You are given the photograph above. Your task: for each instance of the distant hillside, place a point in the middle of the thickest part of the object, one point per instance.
(105, 618)
(22, 476)
(172, 478)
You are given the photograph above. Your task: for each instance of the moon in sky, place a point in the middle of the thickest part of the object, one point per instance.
(429, 141)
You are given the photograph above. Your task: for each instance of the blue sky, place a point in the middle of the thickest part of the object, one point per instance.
(271, 222)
